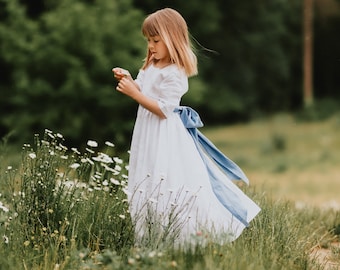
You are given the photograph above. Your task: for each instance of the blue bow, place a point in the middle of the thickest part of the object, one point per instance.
(225, 195)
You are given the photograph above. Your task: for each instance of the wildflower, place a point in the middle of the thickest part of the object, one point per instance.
(105, 183)
(74, 165)
(3, 208)
(9, 168)
(90, 161)
(50, 135)
(103, 158)
(89, 150)
(75, 150)
(26, 243)
(118, 168)
(50, 211)
(109, 144)
(131, 261)
(118, 160)
(59, 135)
(114, 181)
(92, 143)
(152, 254)
(64, 157)
(5, 239)
(32, 155)
(122, 216)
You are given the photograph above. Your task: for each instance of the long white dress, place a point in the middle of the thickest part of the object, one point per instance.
(169, 190)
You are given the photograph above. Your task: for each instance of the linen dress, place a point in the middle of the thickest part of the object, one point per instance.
(169, 190)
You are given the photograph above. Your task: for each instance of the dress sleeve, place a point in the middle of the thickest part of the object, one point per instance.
(140, 78)
(172, 87)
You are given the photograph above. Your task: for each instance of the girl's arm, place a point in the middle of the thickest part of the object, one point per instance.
(128, 87)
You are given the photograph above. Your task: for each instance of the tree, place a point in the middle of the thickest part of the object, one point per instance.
(60, 69)
(308, 52)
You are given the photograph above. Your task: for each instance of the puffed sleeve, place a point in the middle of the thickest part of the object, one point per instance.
(172, 87)
(140, 78)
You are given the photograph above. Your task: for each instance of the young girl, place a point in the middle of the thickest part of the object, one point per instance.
(179, 184)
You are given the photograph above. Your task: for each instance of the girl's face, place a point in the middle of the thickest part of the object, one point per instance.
(158, 50)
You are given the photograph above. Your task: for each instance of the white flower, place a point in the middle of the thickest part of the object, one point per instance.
(122, 216)
(118, 160)
(5, 239)
(9, 168)
(75, 150)
(105, 183)
(3, 208)
(118, 168)
(92, 143)
(50, 135)
(90, 161)
(32, 155)
(114, 181)
(152, 254)
(103, 158)
(89, 150)
(109, 144)
(74, 165)
(59, 135)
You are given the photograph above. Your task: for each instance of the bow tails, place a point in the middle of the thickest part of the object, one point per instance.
(208, 151)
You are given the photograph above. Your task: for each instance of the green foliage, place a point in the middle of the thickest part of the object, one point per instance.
(61, 67)
(320, 110)
(61, 199)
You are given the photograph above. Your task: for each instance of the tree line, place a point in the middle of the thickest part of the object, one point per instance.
(56, 58)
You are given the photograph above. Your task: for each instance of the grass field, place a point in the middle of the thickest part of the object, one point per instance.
(61, 209)
(286, 158)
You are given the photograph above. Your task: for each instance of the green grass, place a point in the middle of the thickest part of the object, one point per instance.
(62, 209)
(286, 158)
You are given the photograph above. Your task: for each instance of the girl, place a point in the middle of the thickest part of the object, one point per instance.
(179, 184)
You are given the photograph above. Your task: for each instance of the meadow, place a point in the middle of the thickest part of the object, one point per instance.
(62, 208)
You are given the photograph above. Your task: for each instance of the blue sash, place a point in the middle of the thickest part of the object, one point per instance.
(208, 150)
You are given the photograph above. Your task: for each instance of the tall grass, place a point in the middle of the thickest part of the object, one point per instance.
(62, 209)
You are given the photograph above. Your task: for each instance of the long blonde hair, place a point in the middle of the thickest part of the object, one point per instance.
(173, 30)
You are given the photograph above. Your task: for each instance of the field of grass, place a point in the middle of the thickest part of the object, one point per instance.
(62, 209)
(287, 159)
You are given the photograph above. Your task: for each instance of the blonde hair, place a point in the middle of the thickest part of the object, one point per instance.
(173, 30)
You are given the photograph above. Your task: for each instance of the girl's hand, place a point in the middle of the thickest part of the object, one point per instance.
(120, 73)
(127, 87)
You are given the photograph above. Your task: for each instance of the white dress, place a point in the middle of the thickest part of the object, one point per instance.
(169, 190)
